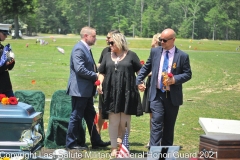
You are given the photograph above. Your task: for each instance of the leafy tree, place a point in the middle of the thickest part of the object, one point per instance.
(214, 17)
(14, 9)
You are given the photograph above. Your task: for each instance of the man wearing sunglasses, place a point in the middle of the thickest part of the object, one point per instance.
(170, 68)
(6, 64)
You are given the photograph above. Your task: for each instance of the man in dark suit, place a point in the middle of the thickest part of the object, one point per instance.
(83, 74)
(165, 91)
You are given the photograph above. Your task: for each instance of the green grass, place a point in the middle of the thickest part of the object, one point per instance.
(213, 91)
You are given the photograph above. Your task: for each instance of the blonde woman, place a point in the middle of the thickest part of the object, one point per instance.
(121, 98)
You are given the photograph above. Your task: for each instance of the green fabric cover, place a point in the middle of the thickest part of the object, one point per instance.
(37, 100)
(60, 110)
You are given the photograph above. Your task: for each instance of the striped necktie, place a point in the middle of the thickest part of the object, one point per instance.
(164, 70)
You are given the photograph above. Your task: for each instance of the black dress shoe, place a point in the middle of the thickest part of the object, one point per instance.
(101, 144)
(78, 147)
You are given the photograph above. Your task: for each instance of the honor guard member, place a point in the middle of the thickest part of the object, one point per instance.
(7, 62)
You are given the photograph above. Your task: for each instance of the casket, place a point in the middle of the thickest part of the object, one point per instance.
(219, 147)
(19, 128)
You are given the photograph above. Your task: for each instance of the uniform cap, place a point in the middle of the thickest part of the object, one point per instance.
(4, 28)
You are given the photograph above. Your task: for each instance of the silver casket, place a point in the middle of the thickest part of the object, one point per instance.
(19, 128)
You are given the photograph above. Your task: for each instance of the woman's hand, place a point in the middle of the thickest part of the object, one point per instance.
(99, 89)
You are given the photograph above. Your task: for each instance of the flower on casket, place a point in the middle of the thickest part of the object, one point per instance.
(5, 101)
(13, 100)
(2, 96)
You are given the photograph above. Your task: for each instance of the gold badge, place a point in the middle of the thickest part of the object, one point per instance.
(174, 66)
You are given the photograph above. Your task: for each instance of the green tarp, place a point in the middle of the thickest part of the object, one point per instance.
(60, 110)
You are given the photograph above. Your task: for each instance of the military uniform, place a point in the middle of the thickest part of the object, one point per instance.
(5, 82)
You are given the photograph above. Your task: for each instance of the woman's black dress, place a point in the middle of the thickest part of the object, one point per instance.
(120, 92)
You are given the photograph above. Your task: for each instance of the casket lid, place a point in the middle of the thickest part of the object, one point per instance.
(20, 113)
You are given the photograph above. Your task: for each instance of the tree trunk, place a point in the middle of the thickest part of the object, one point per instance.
(213, 36)
(16, 26)
(226, 38)
(142, 4)
(193, 28)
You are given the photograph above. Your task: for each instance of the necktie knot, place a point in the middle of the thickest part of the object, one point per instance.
(167, 53)
(165, 62)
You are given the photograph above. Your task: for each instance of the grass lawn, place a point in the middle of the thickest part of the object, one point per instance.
(213, 91)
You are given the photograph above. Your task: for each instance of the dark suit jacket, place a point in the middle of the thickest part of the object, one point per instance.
(82, 75)
(180, 69)
(5, 82)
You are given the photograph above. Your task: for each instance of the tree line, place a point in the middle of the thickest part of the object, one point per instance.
(195, 19)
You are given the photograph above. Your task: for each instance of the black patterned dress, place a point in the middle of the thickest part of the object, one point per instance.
(120, 92)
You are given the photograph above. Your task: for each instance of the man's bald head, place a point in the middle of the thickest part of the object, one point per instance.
(167, 38)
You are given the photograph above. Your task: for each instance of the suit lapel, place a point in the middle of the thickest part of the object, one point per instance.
(157, 58)
(86, 52)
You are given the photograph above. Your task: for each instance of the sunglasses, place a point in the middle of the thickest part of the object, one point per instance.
(164, 40)
(111, 43)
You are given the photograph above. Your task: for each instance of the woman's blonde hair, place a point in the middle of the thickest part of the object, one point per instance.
(120, 41)
(156, 36)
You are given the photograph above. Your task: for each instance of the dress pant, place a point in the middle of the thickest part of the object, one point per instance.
(164, 115)
(82, 107)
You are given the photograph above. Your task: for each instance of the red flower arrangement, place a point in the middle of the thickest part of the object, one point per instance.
(170, 75)
(142, 62)
(97, 83)
(165, 78)
(2, 96)
(13, 100)
(5, 100)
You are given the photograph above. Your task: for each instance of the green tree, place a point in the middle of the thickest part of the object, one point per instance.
(214, 18)
(14, 9)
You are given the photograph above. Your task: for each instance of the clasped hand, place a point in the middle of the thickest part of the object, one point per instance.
(99, 89)
(10, 61)
(142, 87)
(170, 81)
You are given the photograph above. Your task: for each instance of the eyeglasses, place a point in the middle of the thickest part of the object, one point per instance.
(164, 40)
(111, 43)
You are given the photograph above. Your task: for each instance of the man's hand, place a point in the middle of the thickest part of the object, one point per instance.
(171, 81)
(142, 87)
